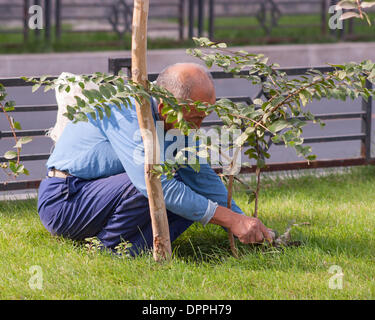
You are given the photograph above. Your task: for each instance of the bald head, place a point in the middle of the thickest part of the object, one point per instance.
(188, 81)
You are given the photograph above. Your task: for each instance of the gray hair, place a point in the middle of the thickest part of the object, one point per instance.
(181, 88)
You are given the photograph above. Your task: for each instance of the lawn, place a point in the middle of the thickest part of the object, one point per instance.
(339, 207)
(241, 30)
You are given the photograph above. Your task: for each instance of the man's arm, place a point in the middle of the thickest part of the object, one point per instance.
(122, 131)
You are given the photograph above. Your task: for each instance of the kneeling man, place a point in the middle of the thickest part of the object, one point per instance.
(95, 184)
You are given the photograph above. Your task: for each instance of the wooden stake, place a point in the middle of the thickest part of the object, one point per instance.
(160, 228)
(229, 201)
(257, 173)
(229, 205)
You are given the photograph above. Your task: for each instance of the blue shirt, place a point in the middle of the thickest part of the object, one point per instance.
(101, 148)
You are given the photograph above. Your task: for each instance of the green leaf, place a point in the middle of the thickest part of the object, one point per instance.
(80, 102)
(279, 125)
(171, 118)
(348, 15)
(17, 125)
(35, 87)
(158, 168)
(71, 110)
(25, 140)
(10, 155)
(80, 116)
(117, 102)
(195, 166)
(107, 110)
(303, 99)
(277, 101)
(68, 115)
(89, 95)
(22, 140)
(93, 115)
(251, 197)
(244, 136)
(221, 45)
(261, 163)
(346, 4)
(20, 168)
(105, 91)
(9, 106)
(47, 88)
(208, 62)
(366, 4)
(100, 112)
(311, 157)
(342, 75)
(12, 166)
(258, 102)
(61, 87)
(97, 94)
(371, 76)
(179, 116)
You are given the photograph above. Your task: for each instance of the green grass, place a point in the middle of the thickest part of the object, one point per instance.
(339, 207)
(291, 29)
(79, 42)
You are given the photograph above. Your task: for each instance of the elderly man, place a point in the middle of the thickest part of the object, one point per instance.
(95, 184)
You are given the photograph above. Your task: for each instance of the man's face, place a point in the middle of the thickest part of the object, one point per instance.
(193, 115)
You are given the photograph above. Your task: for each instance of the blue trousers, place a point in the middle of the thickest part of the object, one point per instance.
(110, 208)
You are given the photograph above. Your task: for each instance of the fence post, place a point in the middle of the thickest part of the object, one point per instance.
(350, 27)
(191, 18)
(200, 17)
(47, 14)
(25, 21)
(324, 17)
(181, 19)
(37, 31)
(211, 19)
(58, 20)
(366, 125)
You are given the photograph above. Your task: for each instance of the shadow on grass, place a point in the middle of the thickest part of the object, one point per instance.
(212, 247)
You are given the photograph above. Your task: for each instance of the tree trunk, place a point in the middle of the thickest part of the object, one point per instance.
(160, 228)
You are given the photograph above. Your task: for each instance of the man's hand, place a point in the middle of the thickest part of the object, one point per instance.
(246, 229)
(250, 230)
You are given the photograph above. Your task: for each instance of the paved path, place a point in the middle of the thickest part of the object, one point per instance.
(286, 55)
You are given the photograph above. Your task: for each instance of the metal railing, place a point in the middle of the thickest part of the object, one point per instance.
(266, 12)
(115, 65)
(268, 15)
(116, 15)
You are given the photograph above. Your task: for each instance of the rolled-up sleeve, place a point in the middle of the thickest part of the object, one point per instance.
(207, 183)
